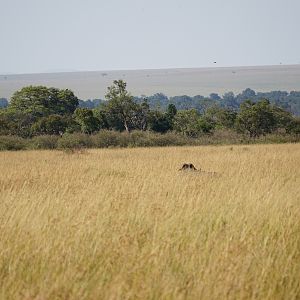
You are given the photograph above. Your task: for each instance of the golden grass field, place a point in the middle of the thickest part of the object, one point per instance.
(126, 224)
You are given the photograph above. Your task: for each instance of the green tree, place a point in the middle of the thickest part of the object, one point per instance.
(171, 111)
(4, 122)
(141, 116)
(170, 114)
(121, 104)
(284, 120)
(53, 125)
(191, 123)
(221, 117)
(294, 126)
(159, 121)
(85, 118)
(62, 102)
(16, 123)
(41, 101)
(256, 119)
(229, 101)
(101, 114)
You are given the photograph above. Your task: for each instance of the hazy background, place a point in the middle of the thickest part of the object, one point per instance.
(172, 82)
(67, 35)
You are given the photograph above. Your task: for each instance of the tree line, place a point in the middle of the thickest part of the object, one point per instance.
(288, 101)
(38, 110)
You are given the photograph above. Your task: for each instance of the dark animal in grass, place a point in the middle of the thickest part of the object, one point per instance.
(189, 167)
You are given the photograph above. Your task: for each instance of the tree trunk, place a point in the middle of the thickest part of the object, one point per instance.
(126, 126)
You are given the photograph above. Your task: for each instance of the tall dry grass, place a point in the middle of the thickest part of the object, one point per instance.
(126, 224)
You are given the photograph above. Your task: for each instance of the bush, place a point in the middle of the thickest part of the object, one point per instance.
(44, 142)
(108, 138)
(223, 136)
(170, 139)
(279, 139)
(139, 139)
(74, 141)
(12, 143)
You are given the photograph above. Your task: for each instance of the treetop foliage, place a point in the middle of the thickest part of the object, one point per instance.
(42, 101)
(38, 110)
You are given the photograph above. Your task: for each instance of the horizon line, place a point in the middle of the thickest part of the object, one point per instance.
(149, 69)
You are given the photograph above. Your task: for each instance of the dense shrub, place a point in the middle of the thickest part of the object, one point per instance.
(107, 138)
(111, 139)
(223, 136)
(12, 143)
(140, 139)
(44, 142)
(169, 139)
(278, 139)
(75, 140)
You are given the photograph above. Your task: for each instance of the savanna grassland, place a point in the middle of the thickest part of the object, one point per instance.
(126, 224)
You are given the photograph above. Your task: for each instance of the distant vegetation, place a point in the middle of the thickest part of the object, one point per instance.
(39, 111)
(3, 102)
(288, 101)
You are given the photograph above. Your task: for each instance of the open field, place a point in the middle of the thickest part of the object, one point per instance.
(126, 224)
(172, 82)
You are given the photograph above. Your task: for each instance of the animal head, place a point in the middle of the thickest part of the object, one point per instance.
(188, 166)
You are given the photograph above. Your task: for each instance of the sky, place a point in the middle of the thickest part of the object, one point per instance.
(39, 36)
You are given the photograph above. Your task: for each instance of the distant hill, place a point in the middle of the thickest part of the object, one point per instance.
(172, 82)
(3, 102)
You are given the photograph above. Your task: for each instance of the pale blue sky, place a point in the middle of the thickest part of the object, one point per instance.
(65, 35)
